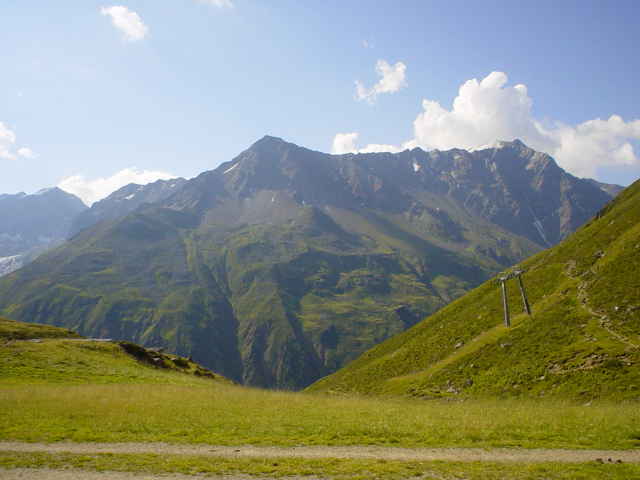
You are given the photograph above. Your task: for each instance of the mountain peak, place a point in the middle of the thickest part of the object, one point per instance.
(58, 193)
(269, 142)
(494, 144)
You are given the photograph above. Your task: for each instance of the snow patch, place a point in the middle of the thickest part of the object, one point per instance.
(9, 264)
(129, 197)
(416, 166)
(231, 168)
(538, 224)
(487, 146)
(540, 228)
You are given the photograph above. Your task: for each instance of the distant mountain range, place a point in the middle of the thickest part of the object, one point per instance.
(581, 341)
(285, 264)
(31, 224)
(124, 200)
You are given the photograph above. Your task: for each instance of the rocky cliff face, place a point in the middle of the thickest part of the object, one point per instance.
(285, 264)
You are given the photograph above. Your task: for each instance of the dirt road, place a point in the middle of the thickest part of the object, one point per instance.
(397, 454)
(247, 451)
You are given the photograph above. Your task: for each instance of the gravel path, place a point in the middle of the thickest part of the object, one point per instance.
(48, 474)
(397, 454)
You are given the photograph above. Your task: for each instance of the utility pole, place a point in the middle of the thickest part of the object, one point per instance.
(503, 281)
(517, 271)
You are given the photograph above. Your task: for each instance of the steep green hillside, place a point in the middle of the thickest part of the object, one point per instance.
(582, 340)
(33, 354)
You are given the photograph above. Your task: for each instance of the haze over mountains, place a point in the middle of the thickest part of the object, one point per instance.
(31, 224)
(284, 264)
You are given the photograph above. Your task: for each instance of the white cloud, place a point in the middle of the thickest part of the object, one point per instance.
(128, 22)
(393, 79)
(25, 152)
(592, 145)
(380, 147)
(344, 143)
(487, 110)
(367, 43)
(219, 3)
(482, 111)
(95, 190)
(7, 139)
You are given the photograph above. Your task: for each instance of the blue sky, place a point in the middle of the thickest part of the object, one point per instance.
(94, 95)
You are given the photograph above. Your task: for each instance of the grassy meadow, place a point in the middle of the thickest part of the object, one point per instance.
(204, 411)
(211, 413)
(57, 389)
(72, 389)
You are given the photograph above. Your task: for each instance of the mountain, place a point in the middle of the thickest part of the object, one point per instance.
(125, 200)
(581, 340)
(607, 187)
(31, 224)
(285, 264)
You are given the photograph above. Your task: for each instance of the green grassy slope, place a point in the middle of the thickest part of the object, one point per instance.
(32, 354)
(582, 340)
(11, 330)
